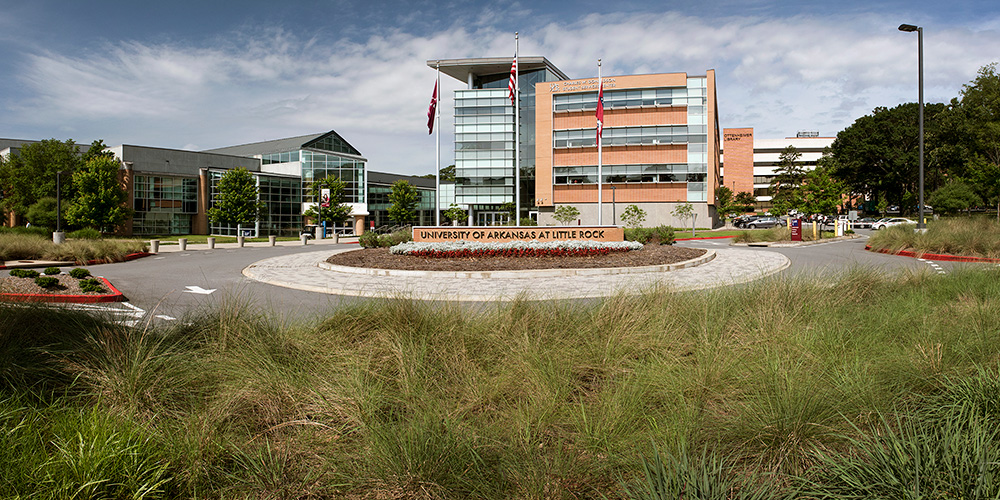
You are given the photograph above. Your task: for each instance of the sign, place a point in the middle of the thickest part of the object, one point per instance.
(796, 226)
(578, 85)
(324, 198)
(498, 234)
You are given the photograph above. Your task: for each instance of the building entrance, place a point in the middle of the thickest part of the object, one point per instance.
(491, 218)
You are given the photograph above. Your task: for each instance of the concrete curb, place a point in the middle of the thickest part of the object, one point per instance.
(783, 244)
(933, 256)
(114, 296)
(523, 273)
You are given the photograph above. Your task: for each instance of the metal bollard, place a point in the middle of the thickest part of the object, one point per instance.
(183, 243)
(154, 246)
(272, 239)
(211, 242)
(240, 240)
(304, 239)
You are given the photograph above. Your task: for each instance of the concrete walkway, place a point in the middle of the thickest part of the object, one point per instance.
(302, 271)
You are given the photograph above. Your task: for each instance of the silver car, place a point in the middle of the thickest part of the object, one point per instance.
(763, 222)
(895, 221)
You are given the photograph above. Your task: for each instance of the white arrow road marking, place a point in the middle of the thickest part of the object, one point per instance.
(198, 290)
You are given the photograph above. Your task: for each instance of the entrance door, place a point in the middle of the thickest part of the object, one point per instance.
(491, 218)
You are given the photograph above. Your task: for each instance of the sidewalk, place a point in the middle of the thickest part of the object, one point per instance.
(302, 271)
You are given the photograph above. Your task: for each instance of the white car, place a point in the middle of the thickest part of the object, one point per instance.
(895, 221)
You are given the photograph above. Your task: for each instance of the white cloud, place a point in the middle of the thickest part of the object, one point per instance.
(777, 75)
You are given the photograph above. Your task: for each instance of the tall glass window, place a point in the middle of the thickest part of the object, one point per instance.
(164, 205)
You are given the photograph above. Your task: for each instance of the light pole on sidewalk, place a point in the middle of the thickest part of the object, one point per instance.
(909, 28)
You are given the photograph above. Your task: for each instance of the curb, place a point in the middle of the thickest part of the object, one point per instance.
(704, 238)
(933, 256)
(782, 244)
(114, 296)
(131, 256)
(522, 273)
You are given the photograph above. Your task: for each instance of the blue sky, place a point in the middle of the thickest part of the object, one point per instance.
(199, 75)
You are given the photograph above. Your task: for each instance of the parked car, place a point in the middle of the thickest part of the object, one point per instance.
(763, 222)
(743, 220)
(865, 223)
(895, 221)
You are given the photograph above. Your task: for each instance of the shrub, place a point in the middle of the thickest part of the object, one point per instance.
(91, 285)
(640, 234)
(79, 273)
(664, 234)
(528, 221)
(633, 216)
(368, 239)
(51, 270)
(33, 230)
(46, 281)
(85, 234)
(23, 273)
(396, 237)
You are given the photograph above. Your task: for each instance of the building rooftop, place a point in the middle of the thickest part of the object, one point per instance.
(282, 145)
(387, 178)
(460, 69)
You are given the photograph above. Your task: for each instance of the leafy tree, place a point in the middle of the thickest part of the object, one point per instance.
(447, 174)
(456, 213)
(730, 203)
(684, 211)
(338, 211)
(985, 176)
(821, 193)
(97, 148)
(786, 187)
(953, 197)
(403, 198)
(30, 175)
(101, 201)
(745, 201)
(238, 200)
(566, 214)
(633, 216)
(508, 208)
(883, 204)
(43, 213)
(879, 153)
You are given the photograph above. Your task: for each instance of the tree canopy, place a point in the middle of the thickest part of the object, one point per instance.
(30, 175)
(238, 200)
(786, 186)
(101, 201)
(403, 198)
(338, 211)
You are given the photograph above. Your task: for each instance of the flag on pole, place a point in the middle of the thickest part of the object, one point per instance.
(600, 111)
(512, 84)
(430, 110)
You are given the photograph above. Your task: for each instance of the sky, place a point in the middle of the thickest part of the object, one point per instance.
(209, 74)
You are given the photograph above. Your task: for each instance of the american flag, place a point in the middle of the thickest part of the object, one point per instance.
(512, 84)
(430, 111)
(600, 111)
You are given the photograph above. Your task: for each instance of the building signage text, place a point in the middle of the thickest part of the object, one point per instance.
(737, 136)
(578, 85)
(499, 234)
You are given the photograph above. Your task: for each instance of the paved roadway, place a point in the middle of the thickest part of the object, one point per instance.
(174, 284)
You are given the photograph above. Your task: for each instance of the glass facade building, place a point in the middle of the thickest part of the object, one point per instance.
(163, 204)
(282, 201)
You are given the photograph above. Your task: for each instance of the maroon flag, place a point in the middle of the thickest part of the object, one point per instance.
(512, 84)
(432, 109)
(600, 111)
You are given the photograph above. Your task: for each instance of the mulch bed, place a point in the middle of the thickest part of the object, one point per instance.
(68, 285)
(380, 258)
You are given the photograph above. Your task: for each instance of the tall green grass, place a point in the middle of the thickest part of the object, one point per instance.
(33, 247)
(779, 387)
(971, 236)
(779, 233)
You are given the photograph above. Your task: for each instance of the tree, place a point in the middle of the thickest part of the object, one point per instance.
(338, 211)
(633, 216)
(30, 175)
(745, 201)
(456, 213)
(403, 198)
(97, 148)
(821, 193)
(238, 200)
(101, 201)
(786, 187)
(730, 203)
(43, 213)
(566, 214)
(508, 208)
(953, 197)
(684, 211)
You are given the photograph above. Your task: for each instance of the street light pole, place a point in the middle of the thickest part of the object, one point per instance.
(909, 28)
(614, 216)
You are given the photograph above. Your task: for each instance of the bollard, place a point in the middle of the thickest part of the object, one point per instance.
(58, 237)
(211, 242)
(183, 243)
(154, 246)
(240, 240)
(336, 238)
(271, 239)
(304, 239)
(319, 232)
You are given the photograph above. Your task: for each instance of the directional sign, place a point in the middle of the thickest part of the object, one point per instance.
(198, 290)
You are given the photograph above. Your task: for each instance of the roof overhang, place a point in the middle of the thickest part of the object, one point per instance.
(460, 69)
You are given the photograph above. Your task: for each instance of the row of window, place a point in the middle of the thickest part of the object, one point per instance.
(616, 178)
(286, 157)
(584, 101)
(495, 136)
(484, 155)
(626, 136)
(485, 110)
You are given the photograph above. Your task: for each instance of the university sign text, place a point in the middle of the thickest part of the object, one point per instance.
(503, 234)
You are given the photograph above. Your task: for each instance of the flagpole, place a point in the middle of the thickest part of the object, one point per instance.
(437, 148)
(517, 138)
(600, 176)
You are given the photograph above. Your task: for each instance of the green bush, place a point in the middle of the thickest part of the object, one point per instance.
(368, 239)
(395, 238)
(641, 234)
(528, 221)
(91, 285)
(85, 234)
(46, 281)
(664, 234)
(79, 273)
(23, 273)
(51, 270)
(33, 230)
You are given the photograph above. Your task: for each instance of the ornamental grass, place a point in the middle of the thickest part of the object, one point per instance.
(35, 247)
(863, 385)
(967, 236)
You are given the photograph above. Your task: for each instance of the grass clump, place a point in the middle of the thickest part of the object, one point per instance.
(778, 233)
(373, 240)
(773, 389)
(86, 233)
(969, 236)
(34, 247)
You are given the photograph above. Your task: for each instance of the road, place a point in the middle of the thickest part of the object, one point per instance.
(172, 285)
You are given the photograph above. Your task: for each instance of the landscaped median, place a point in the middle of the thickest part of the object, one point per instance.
(958, 240)
(77, 286)
(533, 248)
